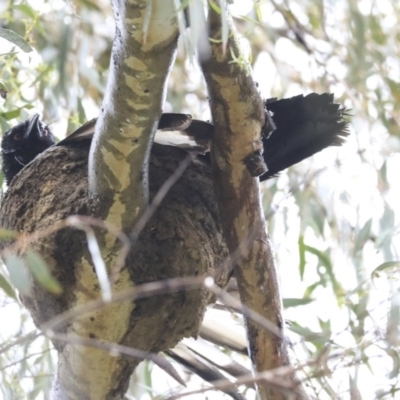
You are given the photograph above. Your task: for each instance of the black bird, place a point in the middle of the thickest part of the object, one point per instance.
(296, 128)
(22, 143)
(305, 125)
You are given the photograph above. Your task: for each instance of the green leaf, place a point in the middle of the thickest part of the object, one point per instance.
(388, 218)
(325, 325)
(325, 261)
(3, 90)
(393, 354)
(303, 331)
(310, 289)
(362, 237)
(376, 30)
(383, 267)
(91, 5)
(322, 257)
(15, 39)
(4, 126)
(19, 275)
(63, 51)
(393, 320)
(41, 272)
(8, 289)
(9, 115)
(318, 339)
(27, 10)
(147, 377)
(81, 112)
(394, 88)
(358, 30)
(291, 302)
(383, 173)
(302, 256)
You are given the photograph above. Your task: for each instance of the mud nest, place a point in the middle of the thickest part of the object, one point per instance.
(183, 238)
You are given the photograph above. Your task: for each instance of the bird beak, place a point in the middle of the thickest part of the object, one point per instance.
(33, 124)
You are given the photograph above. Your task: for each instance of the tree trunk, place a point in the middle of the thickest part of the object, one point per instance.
(238, 118)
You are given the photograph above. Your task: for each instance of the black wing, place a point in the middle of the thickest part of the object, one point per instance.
(178, 130)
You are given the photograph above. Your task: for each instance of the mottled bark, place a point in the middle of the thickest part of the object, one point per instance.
(143, 50)
(238, 117)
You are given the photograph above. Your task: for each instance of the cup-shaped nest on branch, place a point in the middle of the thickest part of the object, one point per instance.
(183, 238)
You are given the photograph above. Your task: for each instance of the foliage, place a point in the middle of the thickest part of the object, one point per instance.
(334, 220)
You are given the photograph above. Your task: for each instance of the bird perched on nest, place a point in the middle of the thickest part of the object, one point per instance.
(296, 128)
(184, 238)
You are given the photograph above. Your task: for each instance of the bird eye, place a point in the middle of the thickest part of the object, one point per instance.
(17, 136)
(45, 131)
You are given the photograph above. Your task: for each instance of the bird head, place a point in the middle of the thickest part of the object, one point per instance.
(22, 143)
(28, 135)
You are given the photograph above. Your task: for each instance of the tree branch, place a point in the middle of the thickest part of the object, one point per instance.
(238, 117)
(142, 54)
(143, 50)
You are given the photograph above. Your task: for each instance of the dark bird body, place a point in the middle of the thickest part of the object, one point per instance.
(22, 143)
(296, 128)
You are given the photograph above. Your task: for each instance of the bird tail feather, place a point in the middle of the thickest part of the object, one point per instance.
(305, 125)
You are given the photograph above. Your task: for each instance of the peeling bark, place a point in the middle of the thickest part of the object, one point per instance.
(143, 50)
(238, 117)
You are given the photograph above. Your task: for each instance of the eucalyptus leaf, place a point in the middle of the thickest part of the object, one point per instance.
(19, 275)
(15, 113)
(15, 39)
(362, 236)
(291, 302)
(41, 272)
(3, 90)
(384, 267)
(394, 355)
(27, 10)
(7, 288)
(302, 256)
